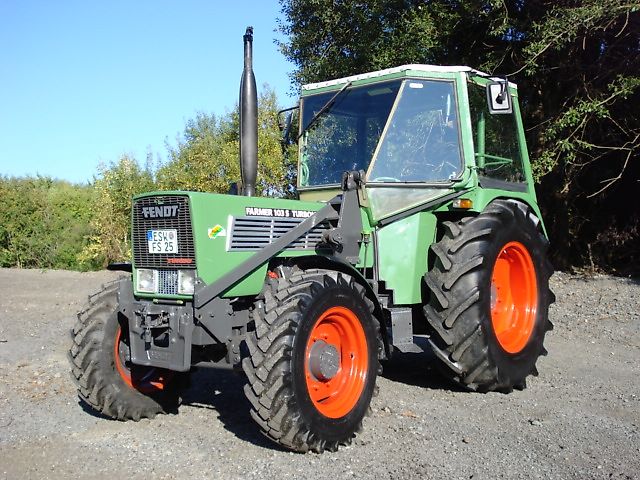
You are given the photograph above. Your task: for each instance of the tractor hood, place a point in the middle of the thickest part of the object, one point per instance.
(213, 233)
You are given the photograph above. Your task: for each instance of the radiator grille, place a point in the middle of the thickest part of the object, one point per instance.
(254, 233)
(185, 258)
(168, 282)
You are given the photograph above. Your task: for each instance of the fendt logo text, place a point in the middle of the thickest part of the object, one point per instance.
(163, 211)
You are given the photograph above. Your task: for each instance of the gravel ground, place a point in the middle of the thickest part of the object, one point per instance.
(579, 419)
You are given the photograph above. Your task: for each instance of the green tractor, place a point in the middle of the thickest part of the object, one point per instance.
(417, 217)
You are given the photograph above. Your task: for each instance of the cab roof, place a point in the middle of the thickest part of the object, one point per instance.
(406, 69)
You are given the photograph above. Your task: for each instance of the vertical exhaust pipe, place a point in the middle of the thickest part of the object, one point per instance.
(248, 120)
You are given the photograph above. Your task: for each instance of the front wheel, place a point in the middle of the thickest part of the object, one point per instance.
(101, 367)
(488, 311)
(313, 362)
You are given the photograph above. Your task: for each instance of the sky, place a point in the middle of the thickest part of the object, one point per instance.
(85, 82)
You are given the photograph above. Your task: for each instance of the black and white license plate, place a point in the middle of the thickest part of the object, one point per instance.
(162, 241)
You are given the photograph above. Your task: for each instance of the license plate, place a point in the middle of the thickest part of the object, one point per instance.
(162, 241)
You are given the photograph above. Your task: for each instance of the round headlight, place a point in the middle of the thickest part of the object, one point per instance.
(147, 280)
(186, 282)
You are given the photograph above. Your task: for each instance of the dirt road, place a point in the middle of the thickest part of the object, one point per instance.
(579, 419)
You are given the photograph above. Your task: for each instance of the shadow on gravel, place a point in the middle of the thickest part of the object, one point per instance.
(418, 370)
(88, 409)
(221, 390)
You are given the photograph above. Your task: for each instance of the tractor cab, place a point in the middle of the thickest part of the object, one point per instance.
(417, 131)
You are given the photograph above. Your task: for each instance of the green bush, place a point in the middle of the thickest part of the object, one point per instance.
(44, 223)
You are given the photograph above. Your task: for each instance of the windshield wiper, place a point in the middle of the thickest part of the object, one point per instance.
(324, 108)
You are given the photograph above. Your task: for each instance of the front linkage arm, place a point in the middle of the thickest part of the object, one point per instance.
(344, 239)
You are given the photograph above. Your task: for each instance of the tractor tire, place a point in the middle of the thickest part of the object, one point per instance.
(313, 360)
(488, 311)
(105, 379)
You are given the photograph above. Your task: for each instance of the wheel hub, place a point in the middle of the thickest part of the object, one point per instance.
(336, 362)
(324, 361)
(514, 297)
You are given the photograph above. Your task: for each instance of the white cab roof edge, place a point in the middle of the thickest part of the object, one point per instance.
(402, 68)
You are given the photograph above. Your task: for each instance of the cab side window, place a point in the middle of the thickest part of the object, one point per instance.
(498, 153)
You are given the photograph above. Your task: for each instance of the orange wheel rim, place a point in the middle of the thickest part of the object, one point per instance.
(144, 379)
(514, 297)
(336, 362)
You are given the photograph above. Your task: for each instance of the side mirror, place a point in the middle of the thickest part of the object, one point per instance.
(498, 97)
(285, 122)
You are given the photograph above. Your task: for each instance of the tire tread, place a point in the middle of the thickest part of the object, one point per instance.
(97, 382)
(457, 336)
(269, 388)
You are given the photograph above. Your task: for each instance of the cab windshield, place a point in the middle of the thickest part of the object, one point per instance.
(401, 131)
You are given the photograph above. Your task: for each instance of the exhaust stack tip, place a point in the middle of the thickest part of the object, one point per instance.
(248, 120)
(248, 34)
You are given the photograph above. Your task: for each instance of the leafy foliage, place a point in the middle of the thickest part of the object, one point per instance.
(111, 210)
(47, 223)
(577, 64)
(44, 223)
(206, 158)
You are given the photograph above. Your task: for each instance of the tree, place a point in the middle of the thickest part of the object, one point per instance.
(577, 64)
(206, 158)
(46, 223)
(115, 186)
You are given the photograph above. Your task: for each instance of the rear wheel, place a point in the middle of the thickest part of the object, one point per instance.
(314, 360)
(101, 367)
(488, 308)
